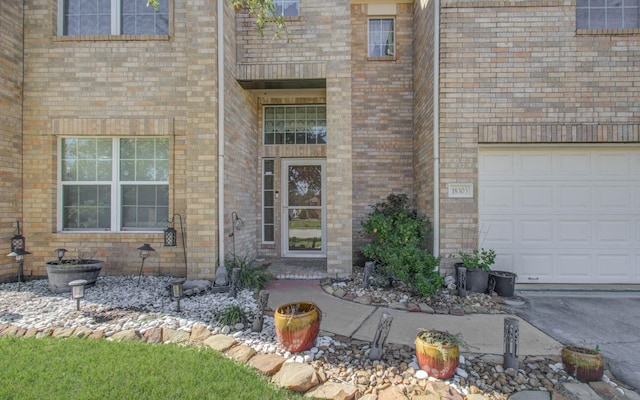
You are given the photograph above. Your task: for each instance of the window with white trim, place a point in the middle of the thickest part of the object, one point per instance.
(112, 17)
(607, 14)
(382, 37)
(268, 201)
(286, 8)
(295, 124)
(113, 184)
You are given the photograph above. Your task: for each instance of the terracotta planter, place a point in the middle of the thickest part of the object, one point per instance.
(438, 361)
(60, 275)
(297, 325)
(584, 364)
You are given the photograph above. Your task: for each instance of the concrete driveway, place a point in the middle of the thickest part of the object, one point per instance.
(609, 319)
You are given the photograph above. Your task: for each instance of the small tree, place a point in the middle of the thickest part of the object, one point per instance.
(263, 10)
(398, 234)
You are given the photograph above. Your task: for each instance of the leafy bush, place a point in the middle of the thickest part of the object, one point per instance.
(398, 234)
(479, 259)
(251, 276)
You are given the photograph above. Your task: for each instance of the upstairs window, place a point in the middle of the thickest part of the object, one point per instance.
(112, 17)
(286, 8)
(113, 184)
(382, 37)
(607, 14)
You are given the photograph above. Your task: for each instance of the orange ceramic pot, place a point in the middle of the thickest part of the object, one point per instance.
(438, 361)
(586, 365)
(297, 325)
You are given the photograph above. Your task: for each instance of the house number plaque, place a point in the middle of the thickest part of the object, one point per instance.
(460, 190)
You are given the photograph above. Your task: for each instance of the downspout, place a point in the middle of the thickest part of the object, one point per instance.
(436, 129)
(221, 274)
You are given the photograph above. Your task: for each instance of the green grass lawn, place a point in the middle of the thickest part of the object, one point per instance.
(100, 369)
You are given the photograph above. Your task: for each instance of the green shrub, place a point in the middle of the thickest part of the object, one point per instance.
(478, 259)
(231, 315)
(251, 276)
(398, 234)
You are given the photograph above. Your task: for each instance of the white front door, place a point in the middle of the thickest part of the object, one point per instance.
(303, 208)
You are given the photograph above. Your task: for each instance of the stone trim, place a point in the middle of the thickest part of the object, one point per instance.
(112, 126)
(503, 3)
(635, 31)
(112, 38)
(300, 70)
(559, 133)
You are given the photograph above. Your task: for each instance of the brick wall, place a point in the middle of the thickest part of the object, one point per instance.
(11, 48)
(519, 73)
(382, 117)
(124, 86)
(423, 111)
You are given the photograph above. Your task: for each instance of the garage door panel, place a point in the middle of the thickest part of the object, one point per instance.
(613, 232)
(574, 266)
(535, 196)
(534, 267)
(535, 232)
(613, 267)
(615, 197)
(574, 232)
(571, 164)
(534, 164)
(563, 216)
(574, 197)
(612, 164)
(497, 165)
(504, 262)
(498, 232)
(497, 197)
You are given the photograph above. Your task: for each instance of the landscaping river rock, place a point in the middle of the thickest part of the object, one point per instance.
(336, 367)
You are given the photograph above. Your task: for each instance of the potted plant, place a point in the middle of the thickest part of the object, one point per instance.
(438, 352)
(63, 271)
(583, 363)
(503, 283)
(297, 325)
(478, 263)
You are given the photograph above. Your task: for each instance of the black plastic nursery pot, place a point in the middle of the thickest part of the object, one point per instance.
(477, 280)
(503, 282)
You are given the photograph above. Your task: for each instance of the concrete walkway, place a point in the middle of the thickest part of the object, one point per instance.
(483, 332)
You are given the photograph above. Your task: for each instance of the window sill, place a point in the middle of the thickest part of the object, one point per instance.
(586, 32)
(112, 38)
(388, 58)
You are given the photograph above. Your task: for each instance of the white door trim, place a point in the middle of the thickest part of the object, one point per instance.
(286, 163)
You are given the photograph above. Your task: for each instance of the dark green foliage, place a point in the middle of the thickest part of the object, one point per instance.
(398, 234)
(478, 259)
(251, 275)
(232, 315)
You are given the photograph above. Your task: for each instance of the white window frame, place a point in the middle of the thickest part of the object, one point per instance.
(626, 6)
(394, 46)
(116, 18)
(116, 188)
(295, 107)
(279, 4)
(268, 192)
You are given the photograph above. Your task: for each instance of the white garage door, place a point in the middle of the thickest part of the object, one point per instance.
(562, 216)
